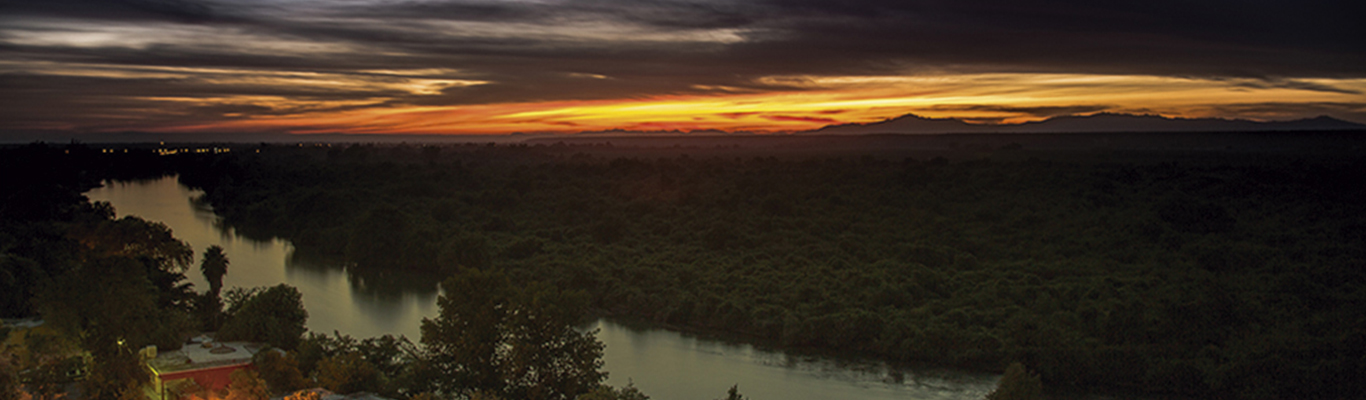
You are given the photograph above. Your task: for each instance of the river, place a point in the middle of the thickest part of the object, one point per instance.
(664, 364)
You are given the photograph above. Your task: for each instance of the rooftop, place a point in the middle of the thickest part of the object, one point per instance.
(201, 353)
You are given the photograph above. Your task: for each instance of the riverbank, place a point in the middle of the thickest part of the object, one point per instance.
(352, 304)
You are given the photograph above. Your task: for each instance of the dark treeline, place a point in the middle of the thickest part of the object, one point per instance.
(1198, 274)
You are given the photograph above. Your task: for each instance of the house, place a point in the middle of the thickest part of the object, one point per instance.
(199, 365)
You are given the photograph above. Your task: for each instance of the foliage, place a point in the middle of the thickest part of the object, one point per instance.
(47, 380)
(517, 342)
(348, 372)
(111, 315)
(424, 396)
(135, 238)
(246, 384)
(274, 315)
(118, 374)
(390, 366)
(9, 381)
(43, 215)
(1017, 384)
(605, 392)
(280, 371)
(208, 311)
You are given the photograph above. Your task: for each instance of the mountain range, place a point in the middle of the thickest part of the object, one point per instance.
(1096, 123)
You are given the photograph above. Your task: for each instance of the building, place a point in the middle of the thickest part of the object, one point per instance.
(199, 365)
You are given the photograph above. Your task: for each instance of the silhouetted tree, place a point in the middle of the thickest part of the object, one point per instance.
(214, 266)
(734, 393)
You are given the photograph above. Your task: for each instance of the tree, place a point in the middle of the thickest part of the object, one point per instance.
(548, 358)
(275, 315)
(47, 363)
(605, 392)
(246, 384)
(734, 393)
(424, 396)
(492, 338)
(109, 306)
(214, 266)
(208, 310)
(280, 371)
(1017, 384)
(9, 381)
(135, 237)
(348, 372)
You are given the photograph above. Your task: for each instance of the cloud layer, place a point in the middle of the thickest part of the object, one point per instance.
(164, 64)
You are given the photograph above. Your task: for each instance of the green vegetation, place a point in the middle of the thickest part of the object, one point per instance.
(272, 315)
(1165, 273)
(514, 341)
(604, 392)
(1017, 384)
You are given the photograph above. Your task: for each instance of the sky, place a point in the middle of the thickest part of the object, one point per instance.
(563, 66)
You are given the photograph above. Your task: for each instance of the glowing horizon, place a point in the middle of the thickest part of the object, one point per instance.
(985, 98)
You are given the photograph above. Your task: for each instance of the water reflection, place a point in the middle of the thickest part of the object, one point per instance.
(337, 300)
(682, 366)
(664, 364)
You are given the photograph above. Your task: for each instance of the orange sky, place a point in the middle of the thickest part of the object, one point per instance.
(821, 101)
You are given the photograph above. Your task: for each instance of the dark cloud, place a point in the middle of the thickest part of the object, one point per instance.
(189, 11)
(1208, 38)
(1287, 84)
(798, 118)
(1045, 111)
(1313, 38)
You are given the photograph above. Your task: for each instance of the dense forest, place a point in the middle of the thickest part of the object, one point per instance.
(1206, 274)
(1199, 274)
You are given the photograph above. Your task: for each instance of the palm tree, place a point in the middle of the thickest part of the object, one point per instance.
(214, 266)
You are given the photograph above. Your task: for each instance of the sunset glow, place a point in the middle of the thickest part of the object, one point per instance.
(473, 67)
(992, 98)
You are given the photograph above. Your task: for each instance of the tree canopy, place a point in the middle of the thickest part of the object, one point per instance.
(274, 315)
(516, 341)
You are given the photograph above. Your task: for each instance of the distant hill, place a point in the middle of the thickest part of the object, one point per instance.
(1096, 123)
